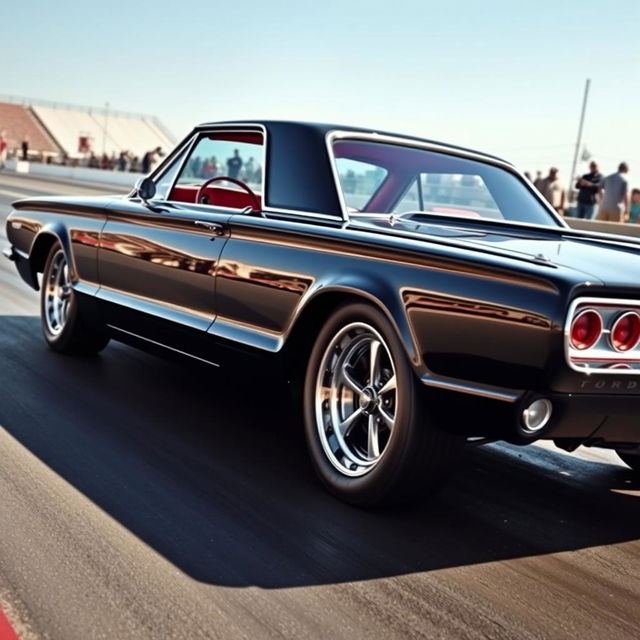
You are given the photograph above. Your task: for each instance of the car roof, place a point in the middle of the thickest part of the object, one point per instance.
(323, 128)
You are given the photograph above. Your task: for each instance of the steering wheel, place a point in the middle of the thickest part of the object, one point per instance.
(201, 195)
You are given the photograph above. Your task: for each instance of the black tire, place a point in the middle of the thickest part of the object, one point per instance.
(69, 331)
(630, 459)
(417, 455)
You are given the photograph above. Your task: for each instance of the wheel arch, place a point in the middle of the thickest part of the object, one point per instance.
(321, 304)
(41, 246)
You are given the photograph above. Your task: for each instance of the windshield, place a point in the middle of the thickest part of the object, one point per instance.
(377, 177)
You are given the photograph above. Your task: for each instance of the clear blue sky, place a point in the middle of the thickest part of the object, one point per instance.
(501, 76)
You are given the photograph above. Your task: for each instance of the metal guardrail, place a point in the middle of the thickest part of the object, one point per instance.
(617, 228)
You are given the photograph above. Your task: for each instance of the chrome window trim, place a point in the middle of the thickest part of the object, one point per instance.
(240, 127)
(340, 134)
(298, 212)
(165, 165)
(188, 149)
(610, 302)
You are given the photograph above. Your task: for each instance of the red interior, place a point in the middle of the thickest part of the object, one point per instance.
(218, 196)
(250, 137)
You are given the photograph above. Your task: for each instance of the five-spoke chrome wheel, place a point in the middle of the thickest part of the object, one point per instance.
(356, 399)
(57, 294)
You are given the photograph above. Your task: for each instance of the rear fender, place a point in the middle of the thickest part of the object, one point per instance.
(380, 294)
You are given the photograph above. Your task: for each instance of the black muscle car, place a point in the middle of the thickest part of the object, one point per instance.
(419, 296)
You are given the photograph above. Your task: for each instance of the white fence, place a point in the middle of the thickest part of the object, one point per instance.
(83, 174)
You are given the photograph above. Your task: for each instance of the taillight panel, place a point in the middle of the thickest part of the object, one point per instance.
(603, 335)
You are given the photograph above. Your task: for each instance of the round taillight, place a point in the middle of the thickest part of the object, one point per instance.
(586, 329)
(625, 332)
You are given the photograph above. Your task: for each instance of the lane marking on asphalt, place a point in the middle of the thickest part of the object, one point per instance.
(13, 194)
(6, 630)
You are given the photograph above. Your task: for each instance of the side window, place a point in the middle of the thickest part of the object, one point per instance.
(219, 155)
(454, 194)
(359, 182)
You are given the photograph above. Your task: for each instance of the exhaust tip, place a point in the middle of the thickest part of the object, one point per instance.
(536, 416)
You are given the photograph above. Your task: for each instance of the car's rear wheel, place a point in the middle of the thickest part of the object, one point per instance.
(631, 459)
(372, 440)
(64, 327)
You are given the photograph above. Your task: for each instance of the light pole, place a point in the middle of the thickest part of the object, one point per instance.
(104, 130)
(579, 140)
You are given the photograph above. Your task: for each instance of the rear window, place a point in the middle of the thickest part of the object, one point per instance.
(380, 177)
(359, 181)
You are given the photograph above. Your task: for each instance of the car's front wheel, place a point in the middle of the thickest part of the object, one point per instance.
(631, 459)
(371, 438)
(64, 326)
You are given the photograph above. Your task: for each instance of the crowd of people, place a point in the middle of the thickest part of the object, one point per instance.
(598, 197)
(234, 167)
(124, 161)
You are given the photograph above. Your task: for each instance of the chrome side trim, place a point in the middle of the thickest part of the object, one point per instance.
(338, 134)
(615, 356)
(245, 334)
(160, 344)
(472, 388)
(86, 287)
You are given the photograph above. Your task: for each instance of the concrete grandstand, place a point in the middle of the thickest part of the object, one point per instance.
(18, 123)
(58, 130)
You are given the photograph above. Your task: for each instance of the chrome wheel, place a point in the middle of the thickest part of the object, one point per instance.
(356, 399)
(57, 294)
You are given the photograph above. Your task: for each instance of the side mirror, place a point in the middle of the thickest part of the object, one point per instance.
(145, 189)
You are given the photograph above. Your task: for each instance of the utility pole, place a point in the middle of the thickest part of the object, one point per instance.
(572, 177)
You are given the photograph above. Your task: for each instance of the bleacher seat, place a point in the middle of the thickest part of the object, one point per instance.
(19, 122)
(110, 133)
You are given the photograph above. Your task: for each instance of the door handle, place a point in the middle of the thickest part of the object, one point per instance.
(216, 227)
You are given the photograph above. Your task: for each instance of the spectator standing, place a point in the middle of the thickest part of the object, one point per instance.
(634, 207)
(537, 183)
(215, 167)
(123, 161)
(249, 170)
(553, 191)
(150, 159)
(3, 149)
(234, 164)
(588, 188)
(25, 148)
(207, 171)
(614, 206)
